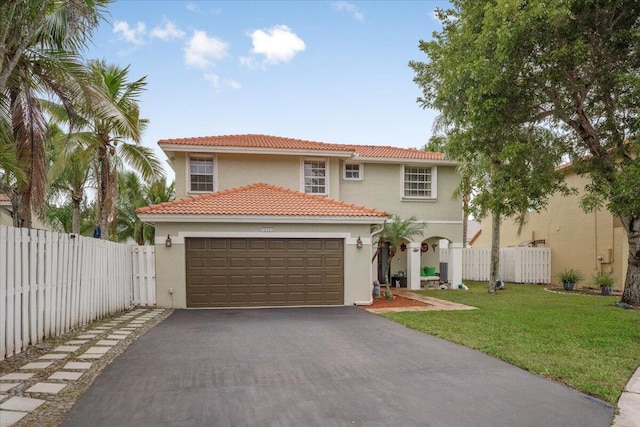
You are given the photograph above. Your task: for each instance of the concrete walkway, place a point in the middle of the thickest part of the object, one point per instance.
(629, 404)
(317, 367)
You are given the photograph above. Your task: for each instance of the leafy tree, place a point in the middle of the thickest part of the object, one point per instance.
(571, 66)
(395, 231)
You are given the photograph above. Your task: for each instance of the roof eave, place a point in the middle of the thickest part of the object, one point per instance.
(274, 219)
(442, 162)
(190, 148)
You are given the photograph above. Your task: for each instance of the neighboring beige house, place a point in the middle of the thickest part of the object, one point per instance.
(5, 210)
(262, 220)
(6, 217)
(591, 242)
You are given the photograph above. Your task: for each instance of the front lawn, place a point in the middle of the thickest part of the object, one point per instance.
(582, 341)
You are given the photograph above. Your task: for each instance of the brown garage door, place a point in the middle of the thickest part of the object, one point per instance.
(264, 272)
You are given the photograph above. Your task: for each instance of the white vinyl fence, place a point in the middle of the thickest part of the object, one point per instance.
(53, 282)
(518, 264)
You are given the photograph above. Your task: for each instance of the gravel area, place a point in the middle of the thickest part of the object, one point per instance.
(55, 410)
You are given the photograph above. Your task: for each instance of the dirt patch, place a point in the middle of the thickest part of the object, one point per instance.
(396, 302)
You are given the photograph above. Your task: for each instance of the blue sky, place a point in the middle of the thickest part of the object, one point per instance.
(330, 71)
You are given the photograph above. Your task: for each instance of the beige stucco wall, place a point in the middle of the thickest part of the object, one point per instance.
(5, 217)
(577, 239)
(171, 262)
(381, 187)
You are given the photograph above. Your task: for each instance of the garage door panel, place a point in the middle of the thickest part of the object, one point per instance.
(295, 262)
(277, 262)
(333, 262)
(262, 272)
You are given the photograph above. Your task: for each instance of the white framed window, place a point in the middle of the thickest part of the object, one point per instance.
(315, 176)
(353, 172)
(201, 174)
(419, 182)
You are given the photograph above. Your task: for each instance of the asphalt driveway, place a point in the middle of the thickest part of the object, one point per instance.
(317, 367)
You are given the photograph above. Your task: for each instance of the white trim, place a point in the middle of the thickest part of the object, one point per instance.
(434, 184)
(179, 239)
(214, 158)
(361, 171)
(253, 150)
(155, 218)
(401, 161)
(326, 177)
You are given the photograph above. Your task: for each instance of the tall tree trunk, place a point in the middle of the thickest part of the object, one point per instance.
(631, 293)
(75, 219)
(494, 269)
(465, 220)
(15, 208)
(387, 290)
(103, 192)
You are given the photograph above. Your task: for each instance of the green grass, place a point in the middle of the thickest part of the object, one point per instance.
(582, 341)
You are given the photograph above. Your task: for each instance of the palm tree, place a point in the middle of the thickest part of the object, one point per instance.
(118, 132)
(135, 194)
(395, 231)
(40, 41)
(70, 172)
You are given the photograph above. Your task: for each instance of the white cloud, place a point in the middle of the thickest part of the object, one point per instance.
(233, 84)
(277, 44)
(133, 34)
(201, 50)
(218, 84)
(350, 8)
(213, 78)
(192, 7)
(168, 32)
(217, 11)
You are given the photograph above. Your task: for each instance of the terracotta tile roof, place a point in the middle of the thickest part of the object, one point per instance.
(260, 200)
(4, 198)
(279, 143)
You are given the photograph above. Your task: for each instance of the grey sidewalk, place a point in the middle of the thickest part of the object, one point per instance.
(629, 404)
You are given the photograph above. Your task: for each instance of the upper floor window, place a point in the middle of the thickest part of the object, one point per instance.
(315, 177)
(419, 182)
(353, 171)
(201, 174)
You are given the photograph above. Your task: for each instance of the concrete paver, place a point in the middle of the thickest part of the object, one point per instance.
(7, 386)
(17, 403)
(90, 356)
(54, 356)
(317, 366)
(48, 388)
(62, 375)
(116, 337)
(9, 418)
(78, 365)
(87, 336)
(77, 342)
(107, 342)
(36, 365)
(67, 348)
(97, 350)
(16, 376)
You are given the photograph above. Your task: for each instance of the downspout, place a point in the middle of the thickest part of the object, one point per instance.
(370, 301)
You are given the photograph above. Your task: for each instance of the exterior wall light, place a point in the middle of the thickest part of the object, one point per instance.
(359, 243)
(167, 242)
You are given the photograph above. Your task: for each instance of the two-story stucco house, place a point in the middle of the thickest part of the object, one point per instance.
(261, 220)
